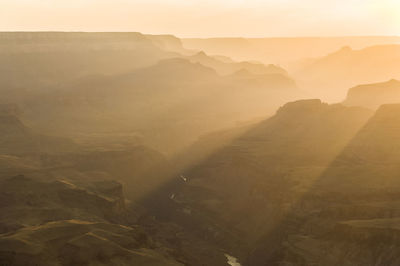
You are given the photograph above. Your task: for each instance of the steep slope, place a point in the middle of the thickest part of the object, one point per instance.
(316, 184)
(373, 154)
(259, 175)
(374, 95)
(349, 216)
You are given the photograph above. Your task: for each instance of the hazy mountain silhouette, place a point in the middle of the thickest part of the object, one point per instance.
(71, 83)
(283, 51)
(331, 75)
(374, 95)
(168, 43)
(225, 68)
(47, 58)
(184, 101)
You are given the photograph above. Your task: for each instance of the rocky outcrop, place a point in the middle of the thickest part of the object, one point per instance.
(70, 222)
(75, 242)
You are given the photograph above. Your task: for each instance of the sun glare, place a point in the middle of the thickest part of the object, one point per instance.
(390, 11)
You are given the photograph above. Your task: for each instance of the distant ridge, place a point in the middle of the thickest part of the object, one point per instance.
(374, 95)
(282, 50)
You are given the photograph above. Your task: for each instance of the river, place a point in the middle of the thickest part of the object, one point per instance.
(232, 260)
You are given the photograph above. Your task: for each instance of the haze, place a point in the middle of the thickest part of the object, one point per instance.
(195, 18)
(192, 133)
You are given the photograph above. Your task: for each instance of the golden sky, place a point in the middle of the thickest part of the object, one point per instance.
(206, 18)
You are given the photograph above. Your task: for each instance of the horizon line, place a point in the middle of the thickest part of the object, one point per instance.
(202, 37)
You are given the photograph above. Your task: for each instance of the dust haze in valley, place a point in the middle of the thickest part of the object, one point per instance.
(128, 148)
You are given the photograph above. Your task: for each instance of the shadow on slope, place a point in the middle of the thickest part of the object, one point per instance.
(349, 213)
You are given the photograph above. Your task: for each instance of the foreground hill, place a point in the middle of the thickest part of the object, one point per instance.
(79, 243)
(69, 208)
(63, 223)
(374, 95)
